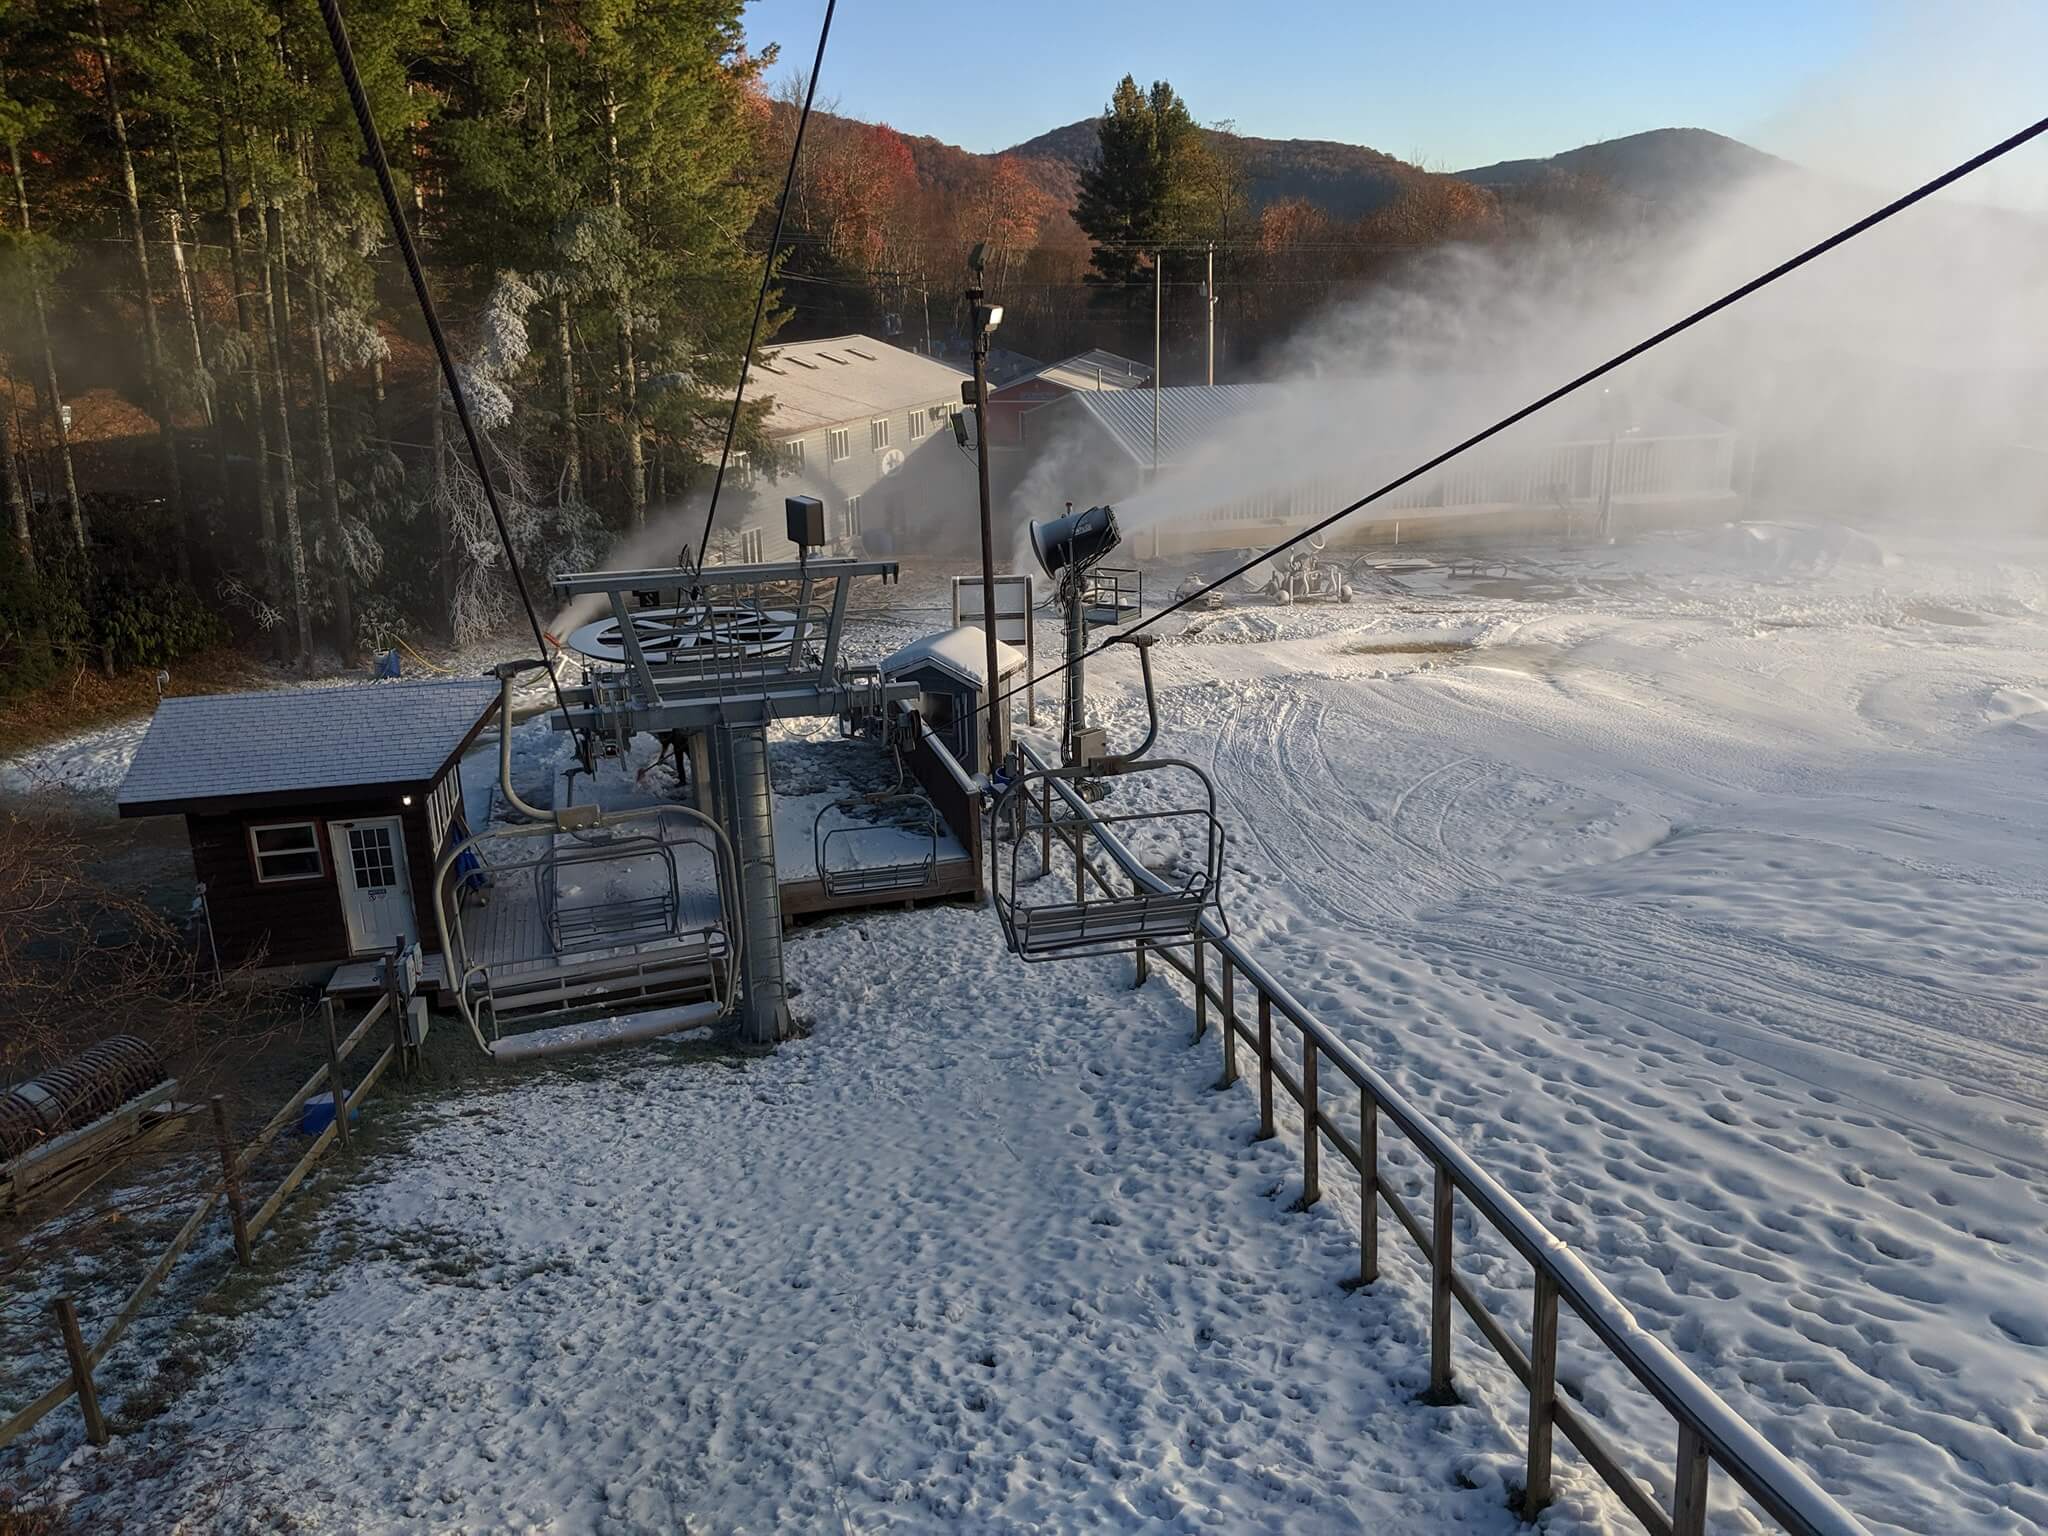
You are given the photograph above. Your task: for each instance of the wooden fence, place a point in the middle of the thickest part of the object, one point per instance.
(1710, 1433)
(228, 1187)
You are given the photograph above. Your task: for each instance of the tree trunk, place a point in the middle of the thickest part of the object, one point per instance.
(323, 437)
(54, 394)
(565, 356)
(246, 321)
(437, 467)
(159, 390)
(10, 492)
(629, 379)
(270, 221)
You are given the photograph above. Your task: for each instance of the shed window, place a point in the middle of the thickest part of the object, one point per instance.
(750, 547)
(853, 517)
(878, 433)
(918, 425)
(840, 447)
(287, 851)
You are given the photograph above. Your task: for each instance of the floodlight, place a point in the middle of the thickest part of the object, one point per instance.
(987, 317)
(1079, 539)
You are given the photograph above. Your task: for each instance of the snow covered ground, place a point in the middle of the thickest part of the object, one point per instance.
(1698, 886)
(1695, 884)
(986, 1252)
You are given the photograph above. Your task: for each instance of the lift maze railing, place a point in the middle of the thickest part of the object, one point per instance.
(225, 1184)
(1255, 1009)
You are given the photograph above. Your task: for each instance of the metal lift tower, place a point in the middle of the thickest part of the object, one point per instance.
(707, 659)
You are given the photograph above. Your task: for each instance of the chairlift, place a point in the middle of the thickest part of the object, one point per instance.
(1042, 806)
(585, 913)
(545, 945)
(842, 872)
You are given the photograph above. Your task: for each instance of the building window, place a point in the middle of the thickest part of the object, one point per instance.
(742, 468)
(841, 448)
(750, 547)
(794, 448)
(919, 425)
(852, 529)
(878, 433)
(286, 851)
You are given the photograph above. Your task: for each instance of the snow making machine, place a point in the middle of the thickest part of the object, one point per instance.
(1171, 827)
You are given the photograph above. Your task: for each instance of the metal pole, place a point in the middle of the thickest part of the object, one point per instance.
(1158, 314)
(1209, 288)
(996, 716)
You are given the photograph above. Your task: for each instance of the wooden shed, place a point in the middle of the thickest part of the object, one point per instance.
(951, 668)
(315, 815)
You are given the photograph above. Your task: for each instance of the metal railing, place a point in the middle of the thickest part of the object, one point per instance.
(1710, 1433)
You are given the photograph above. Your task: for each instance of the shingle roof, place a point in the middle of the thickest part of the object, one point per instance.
(961, 651)
(846, 379)
(219, 746)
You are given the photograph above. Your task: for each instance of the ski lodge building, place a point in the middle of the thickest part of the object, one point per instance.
(1656, 461)
(867, 428)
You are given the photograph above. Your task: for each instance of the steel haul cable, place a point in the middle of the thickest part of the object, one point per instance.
(373, 146)
(1705, 312)
(767, 280)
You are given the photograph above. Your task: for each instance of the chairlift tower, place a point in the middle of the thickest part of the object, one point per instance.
(708, 658)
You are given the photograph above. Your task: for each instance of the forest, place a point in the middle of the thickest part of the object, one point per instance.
(219, 417)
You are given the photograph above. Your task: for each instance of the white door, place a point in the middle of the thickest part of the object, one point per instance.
(376, 888)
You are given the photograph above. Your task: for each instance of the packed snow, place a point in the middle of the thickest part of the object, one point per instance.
(1694, 884)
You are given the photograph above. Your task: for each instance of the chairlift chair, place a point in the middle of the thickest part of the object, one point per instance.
(1161, 911)
(841, 872)
(656, 951)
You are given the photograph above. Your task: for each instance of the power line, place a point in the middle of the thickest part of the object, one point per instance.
(1705, 312)
(373, 144)
(767, 277)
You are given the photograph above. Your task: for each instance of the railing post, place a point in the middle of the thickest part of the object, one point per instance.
(1542, 1395)
(1689, 1502)
(1143, 972)
(1045, 831)
(1265, 1065)
(1080, 870)
(1440, 1292)
(1311, 1126)
(1368, 1188)
(1201, 969)
(230, 1183)
(81, 1371)
(334, 1087)
(1229, 1020)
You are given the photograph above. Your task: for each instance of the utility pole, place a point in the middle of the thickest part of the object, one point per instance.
(1158, 312)
(1209, 289)
(986, 317)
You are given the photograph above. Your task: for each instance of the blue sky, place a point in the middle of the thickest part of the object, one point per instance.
(1452, 86)
(1886, 92)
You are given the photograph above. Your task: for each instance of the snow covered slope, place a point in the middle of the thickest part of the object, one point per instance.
(1703, 898)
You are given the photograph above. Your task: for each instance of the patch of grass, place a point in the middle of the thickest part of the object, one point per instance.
(89, 698)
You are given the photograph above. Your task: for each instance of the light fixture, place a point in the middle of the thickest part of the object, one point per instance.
(1079, 539)
(987, 317)
(405, 799)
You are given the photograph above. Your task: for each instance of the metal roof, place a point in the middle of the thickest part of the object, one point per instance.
(845, 379)
(223, 746)
(1188, 415)
(962, 652)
